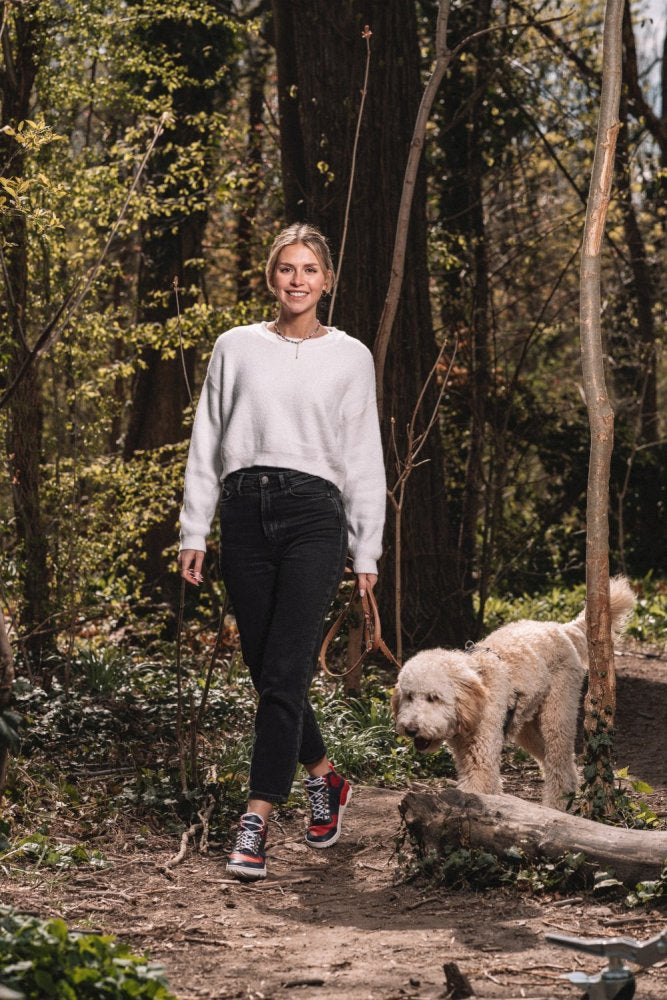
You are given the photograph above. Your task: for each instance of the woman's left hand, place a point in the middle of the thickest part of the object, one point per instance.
(366, 581)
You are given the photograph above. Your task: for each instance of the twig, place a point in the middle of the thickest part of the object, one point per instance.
(366, 35)
(178, 857)
(180, 338)
(423, 902)
(214, 656)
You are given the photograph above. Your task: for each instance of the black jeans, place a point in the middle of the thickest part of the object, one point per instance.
(283, 543)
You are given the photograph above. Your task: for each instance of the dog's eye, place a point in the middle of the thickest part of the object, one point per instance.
(408, 696)
(432, 697)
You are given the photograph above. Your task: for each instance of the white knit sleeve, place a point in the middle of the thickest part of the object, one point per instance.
(365, 491)
(204, 465)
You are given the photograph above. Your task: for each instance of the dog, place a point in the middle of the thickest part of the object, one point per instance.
(522, 683)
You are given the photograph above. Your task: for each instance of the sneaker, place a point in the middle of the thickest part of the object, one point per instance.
(328, 796)
(248, 859)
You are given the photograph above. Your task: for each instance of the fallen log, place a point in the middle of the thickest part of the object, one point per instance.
(499, 822)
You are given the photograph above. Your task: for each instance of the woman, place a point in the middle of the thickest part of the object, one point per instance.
(286, 437)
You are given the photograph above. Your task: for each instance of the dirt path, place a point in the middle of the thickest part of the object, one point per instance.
(334, 924)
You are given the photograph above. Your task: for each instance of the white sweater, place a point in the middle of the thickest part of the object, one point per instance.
(262, 405)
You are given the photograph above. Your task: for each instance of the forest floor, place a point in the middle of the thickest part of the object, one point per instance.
(345, 923)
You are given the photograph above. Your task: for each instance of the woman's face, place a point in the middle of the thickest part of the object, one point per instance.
(298, 279)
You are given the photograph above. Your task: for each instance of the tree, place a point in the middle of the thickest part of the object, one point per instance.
(22, 45)
(601, 694)
(320, 60)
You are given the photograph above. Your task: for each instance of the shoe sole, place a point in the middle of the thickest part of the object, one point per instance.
(336, 836)
(245, 874)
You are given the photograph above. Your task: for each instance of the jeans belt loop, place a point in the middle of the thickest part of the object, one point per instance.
(282, 476)
(240, 481)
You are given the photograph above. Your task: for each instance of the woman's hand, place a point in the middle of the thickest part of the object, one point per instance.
(191, 562)
(366, 581)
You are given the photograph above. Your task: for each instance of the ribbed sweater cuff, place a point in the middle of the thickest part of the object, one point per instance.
(364, 564)
(197, 542)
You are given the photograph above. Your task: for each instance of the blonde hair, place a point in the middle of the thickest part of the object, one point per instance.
(310, 236)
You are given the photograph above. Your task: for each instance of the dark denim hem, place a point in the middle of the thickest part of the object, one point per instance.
(271, 797)
(316, 760)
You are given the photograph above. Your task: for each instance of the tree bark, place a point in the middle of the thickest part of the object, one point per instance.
(321, 58)
(24, 424)
(499, 822)
(601, 696)
(6, 685)
(245, 270)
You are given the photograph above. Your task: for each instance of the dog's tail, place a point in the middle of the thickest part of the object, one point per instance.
(622, 600)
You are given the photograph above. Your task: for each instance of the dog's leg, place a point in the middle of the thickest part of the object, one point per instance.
(558, 720)
(530, 738)
(478, 762)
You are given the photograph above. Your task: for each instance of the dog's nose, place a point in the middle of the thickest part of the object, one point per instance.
(411, 733)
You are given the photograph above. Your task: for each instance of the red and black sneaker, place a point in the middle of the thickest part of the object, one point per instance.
(248, 859)
(328, 796)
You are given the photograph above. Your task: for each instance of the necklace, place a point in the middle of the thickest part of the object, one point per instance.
(295, 340)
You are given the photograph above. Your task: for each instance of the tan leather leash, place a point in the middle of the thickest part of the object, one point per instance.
(372, 640)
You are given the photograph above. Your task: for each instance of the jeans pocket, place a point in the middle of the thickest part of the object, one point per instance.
(225, 493)
(311, 487)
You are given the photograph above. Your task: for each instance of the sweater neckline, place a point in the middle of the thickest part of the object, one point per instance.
(333, 334)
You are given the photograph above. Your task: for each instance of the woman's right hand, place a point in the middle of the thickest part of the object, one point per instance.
(191, 562)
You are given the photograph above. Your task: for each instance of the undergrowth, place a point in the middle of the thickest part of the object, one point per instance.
(457, 867)
(42, 958)
(648, 622)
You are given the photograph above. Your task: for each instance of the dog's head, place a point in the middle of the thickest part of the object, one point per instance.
(437, 695)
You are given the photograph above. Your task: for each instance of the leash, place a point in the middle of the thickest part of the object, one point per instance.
(372, 641)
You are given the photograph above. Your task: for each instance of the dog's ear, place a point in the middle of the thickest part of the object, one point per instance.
(470, 698)
(395, 698)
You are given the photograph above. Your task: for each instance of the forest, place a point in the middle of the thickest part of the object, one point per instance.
(149, 154)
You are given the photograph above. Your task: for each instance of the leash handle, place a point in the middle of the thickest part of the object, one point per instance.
(372, 640)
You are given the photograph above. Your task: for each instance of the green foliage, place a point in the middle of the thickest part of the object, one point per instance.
(46, 853)
(563, 603)
(460, 867)
(41, 958)
(649, 892)
(359, 734)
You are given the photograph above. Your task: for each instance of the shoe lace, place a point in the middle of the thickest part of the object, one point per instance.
(319, 803)
(249, 837)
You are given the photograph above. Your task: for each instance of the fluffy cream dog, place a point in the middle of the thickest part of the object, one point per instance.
(521, 683)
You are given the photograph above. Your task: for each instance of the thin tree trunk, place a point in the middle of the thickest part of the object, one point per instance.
(601, 697)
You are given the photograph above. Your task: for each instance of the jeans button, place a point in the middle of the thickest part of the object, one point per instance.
(264, 480)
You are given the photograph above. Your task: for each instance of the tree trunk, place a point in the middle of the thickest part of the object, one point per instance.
(600, 703)
(171, 247)
(636, 375)
(248, 214)
(498, 822)
(6, 685)
(24, 424)
(319, 94)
